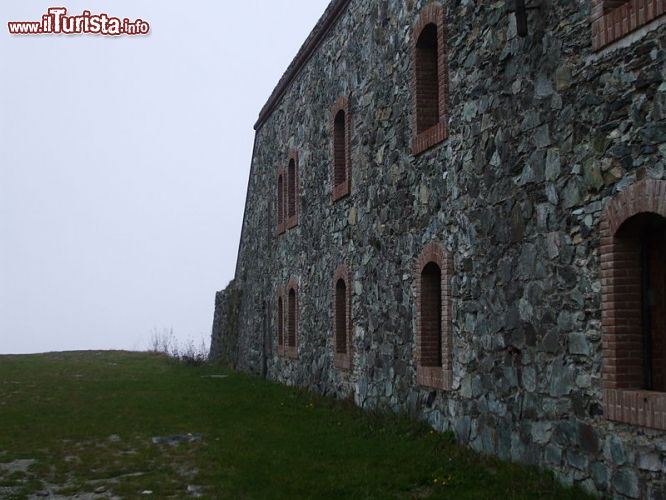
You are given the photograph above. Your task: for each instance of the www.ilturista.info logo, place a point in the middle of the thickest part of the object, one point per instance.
(56, 21)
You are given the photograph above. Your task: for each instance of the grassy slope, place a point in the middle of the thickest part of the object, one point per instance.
(88, 418)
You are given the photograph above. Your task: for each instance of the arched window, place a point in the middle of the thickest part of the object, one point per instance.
(431, 315)
(642, 262)
(433, 350)
(634, 305)
(342, 318)
(429, 79)
(341, 172)
(280, 202)
(280, 324)
(292, 319)
(292, 190)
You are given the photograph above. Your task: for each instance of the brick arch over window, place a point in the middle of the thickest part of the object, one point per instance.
(280, 202)
(291, 319)
(430, 85)
(280, 322)
(292, 190)
(633, 296)
(614, 19)
(342, 323)
(433, 349)
(341, 150)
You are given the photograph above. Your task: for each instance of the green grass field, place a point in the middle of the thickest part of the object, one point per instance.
(77, 423)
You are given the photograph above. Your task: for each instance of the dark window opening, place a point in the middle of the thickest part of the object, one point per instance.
(427, 79)
(640, 274)
(291, 179)
(431, 315)
(340, 148)
(341, 317)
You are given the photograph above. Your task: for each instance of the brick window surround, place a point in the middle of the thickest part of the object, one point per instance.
(292, 190)
(342, 324)
(291, 319)
(433, 353)
(627, 219)
(280, 322)
(280, 204)
(614, 19)
(429, 81)
(341, 149)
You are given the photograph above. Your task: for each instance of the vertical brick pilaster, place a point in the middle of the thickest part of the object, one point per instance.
(658, 278)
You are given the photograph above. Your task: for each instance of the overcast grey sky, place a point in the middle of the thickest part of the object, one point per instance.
(124, 164)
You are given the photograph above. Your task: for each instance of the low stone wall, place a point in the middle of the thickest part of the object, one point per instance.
(224, 338)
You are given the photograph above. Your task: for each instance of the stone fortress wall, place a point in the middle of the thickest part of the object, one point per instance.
(498, 208)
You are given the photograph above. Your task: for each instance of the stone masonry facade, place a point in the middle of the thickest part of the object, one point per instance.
(457, 209)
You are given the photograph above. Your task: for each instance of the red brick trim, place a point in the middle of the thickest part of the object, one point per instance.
(292, 220)
(645, 196)
(343, 188)
(643, 408)
(429, 376)
(342, 360)
(280, 323)
(291, 345)
(281, 221)
(432, 13)
(624, 401)
(615, 19)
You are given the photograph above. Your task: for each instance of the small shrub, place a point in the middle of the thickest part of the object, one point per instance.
(165, 342)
